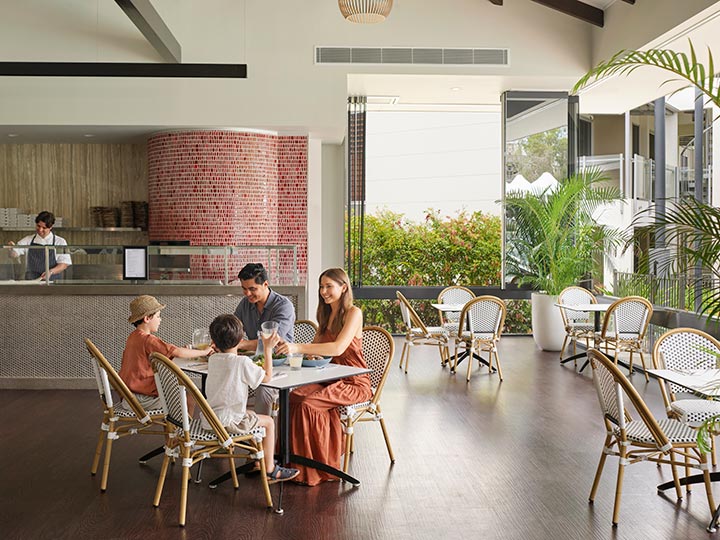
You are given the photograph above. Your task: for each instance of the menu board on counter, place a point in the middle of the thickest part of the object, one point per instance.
(135, 262)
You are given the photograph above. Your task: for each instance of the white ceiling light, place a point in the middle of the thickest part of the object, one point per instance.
(365, 11)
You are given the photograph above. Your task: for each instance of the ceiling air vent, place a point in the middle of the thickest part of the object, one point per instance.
(408, 55)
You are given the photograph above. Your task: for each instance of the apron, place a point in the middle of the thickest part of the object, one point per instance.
(36, 261)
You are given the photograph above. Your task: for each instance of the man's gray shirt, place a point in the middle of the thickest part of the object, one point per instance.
(277, 308)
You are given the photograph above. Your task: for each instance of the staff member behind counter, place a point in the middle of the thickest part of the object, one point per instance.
(36, 257)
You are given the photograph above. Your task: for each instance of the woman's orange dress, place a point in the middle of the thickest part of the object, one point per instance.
(315, 429)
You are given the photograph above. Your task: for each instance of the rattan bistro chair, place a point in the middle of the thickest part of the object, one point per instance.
(481, 325)
(416, 333)
(680, 349)
(304, 331)
(647, 439)
(578, 324)
(624, 326)
(450, 320)
(191, 442)
(378, 350)
(118, 422)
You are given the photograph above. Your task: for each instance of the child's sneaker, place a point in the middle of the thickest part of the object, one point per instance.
(281, 474)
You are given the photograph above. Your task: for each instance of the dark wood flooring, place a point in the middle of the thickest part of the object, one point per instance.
(479, 460)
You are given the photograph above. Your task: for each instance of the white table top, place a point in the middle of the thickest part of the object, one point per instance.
(284, 376)
(584, 307)
(703, 382)
(448, 307)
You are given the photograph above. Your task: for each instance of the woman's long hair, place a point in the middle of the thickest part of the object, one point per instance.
(339, 276)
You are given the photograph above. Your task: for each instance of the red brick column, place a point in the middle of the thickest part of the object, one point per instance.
(229, 188)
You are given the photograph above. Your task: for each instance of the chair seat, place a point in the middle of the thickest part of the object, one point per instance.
(124, 413)
(695, 411)
(452, 327)
(350, 411)
(432, 331)
(676, 432)
(198, 433)
(477, 335)
(580, 326)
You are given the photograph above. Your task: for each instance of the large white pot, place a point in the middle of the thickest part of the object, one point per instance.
(547, 325)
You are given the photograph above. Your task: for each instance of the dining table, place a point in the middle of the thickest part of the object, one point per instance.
(705, 384)
(596, 310)
(457, 308)
(284, 380)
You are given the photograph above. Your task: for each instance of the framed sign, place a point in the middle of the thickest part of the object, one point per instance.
(135, 262)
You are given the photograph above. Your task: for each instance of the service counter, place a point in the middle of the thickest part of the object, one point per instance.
(42, 334)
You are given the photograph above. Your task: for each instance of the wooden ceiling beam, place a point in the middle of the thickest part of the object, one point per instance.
(577, 9)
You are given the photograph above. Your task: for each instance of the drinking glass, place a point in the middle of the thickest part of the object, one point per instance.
(268, 328)
(201, 338)
(295, 361)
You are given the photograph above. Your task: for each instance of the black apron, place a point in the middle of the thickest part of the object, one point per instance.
(36, 260)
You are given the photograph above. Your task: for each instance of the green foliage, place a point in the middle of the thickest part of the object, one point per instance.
(552, 236)
(538, 153)
(463, 249)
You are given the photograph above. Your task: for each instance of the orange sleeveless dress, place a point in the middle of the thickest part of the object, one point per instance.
(315, 430)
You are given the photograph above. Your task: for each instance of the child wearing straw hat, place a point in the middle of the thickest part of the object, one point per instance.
(135, 369)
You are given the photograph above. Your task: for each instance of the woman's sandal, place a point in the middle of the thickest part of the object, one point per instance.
(281, 474)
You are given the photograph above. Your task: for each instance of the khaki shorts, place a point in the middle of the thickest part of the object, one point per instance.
(248, 422)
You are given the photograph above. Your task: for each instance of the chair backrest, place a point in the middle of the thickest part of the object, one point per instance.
(107, 377)
(174, 386)
(378, 349)
(612, 386)
(484, 315)
(453, 295)
(629, 315)
(410, 317)
(685, 348)
(304, 331)
(575, 295)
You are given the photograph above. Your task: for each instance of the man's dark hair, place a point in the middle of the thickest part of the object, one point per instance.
(254, 271)
(226, 332)
(48, 218)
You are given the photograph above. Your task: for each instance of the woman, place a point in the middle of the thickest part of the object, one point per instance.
(315, 429)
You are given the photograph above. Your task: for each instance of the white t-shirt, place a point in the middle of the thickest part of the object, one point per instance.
(47, 241)
(229, 377)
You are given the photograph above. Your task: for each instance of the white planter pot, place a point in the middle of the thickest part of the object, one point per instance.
(547, 325)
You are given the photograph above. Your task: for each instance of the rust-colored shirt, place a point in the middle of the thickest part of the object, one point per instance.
(135, 370)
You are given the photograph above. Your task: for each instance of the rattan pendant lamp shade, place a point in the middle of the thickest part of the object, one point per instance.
(365, 11)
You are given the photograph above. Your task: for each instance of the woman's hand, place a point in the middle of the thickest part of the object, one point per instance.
(286, 348)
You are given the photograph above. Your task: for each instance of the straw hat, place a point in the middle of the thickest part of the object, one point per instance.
(143, 306)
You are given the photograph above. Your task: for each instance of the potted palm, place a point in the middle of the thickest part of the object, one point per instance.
(552, 240)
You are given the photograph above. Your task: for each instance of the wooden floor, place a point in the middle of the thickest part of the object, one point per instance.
(479, 460)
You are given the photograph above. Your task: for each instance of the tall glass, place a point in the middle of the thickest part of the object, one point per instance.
(201, 338)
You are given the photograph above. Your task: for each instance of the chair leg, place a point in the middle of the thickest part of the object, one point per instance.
(98, 450)
(385, 435)
(687, 472)
(562, 349)
(497, 364)
(618, 486)
(708, 486)
(598, 472)
(233, 472)
(161, 479)
(712, 451)
(574, 342)
(184, 484)
(111, 434)
(455, 362)
(470, 363)
(441, 348)
(676, 477)
(630, 364)
(402, 354)
(642, 361)
(263, 478)
(348, 445)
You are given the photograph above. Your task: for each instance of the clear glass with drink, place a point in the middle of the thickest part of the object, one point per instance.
(295, 360)
(201, 339)
(268, 328)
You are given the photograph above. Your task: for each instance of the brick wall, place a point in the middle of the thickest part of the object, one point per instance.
(229, 188)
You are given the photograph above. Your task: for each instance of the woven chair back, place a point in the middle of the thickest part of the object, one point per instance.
(612, 386)
(378, 350)
(484, 315)
(454, 295)
(304, 331)
(106, 376)
(174, 386)
(410, 317)
(629, 317)
(572, 296)
(685, 349)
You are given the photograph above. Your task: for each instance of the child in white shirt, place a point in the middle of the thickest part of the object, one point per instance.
(229, 378)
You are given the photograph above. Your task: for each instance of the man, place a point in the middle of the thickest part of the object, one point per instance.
(35, 267)
(262, 304)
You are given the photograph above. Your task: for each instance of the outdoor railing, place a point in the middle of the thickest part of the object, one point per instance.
(677, 292)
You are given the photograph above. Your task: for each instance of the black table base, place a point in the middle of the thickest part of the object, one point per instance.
(697, 479)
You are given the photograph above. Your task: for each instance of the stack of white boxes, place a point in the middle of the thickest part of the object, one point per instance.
(16, 218)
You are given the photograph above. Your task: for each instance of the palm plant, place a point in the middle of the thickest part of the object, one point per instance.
(552, 236)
